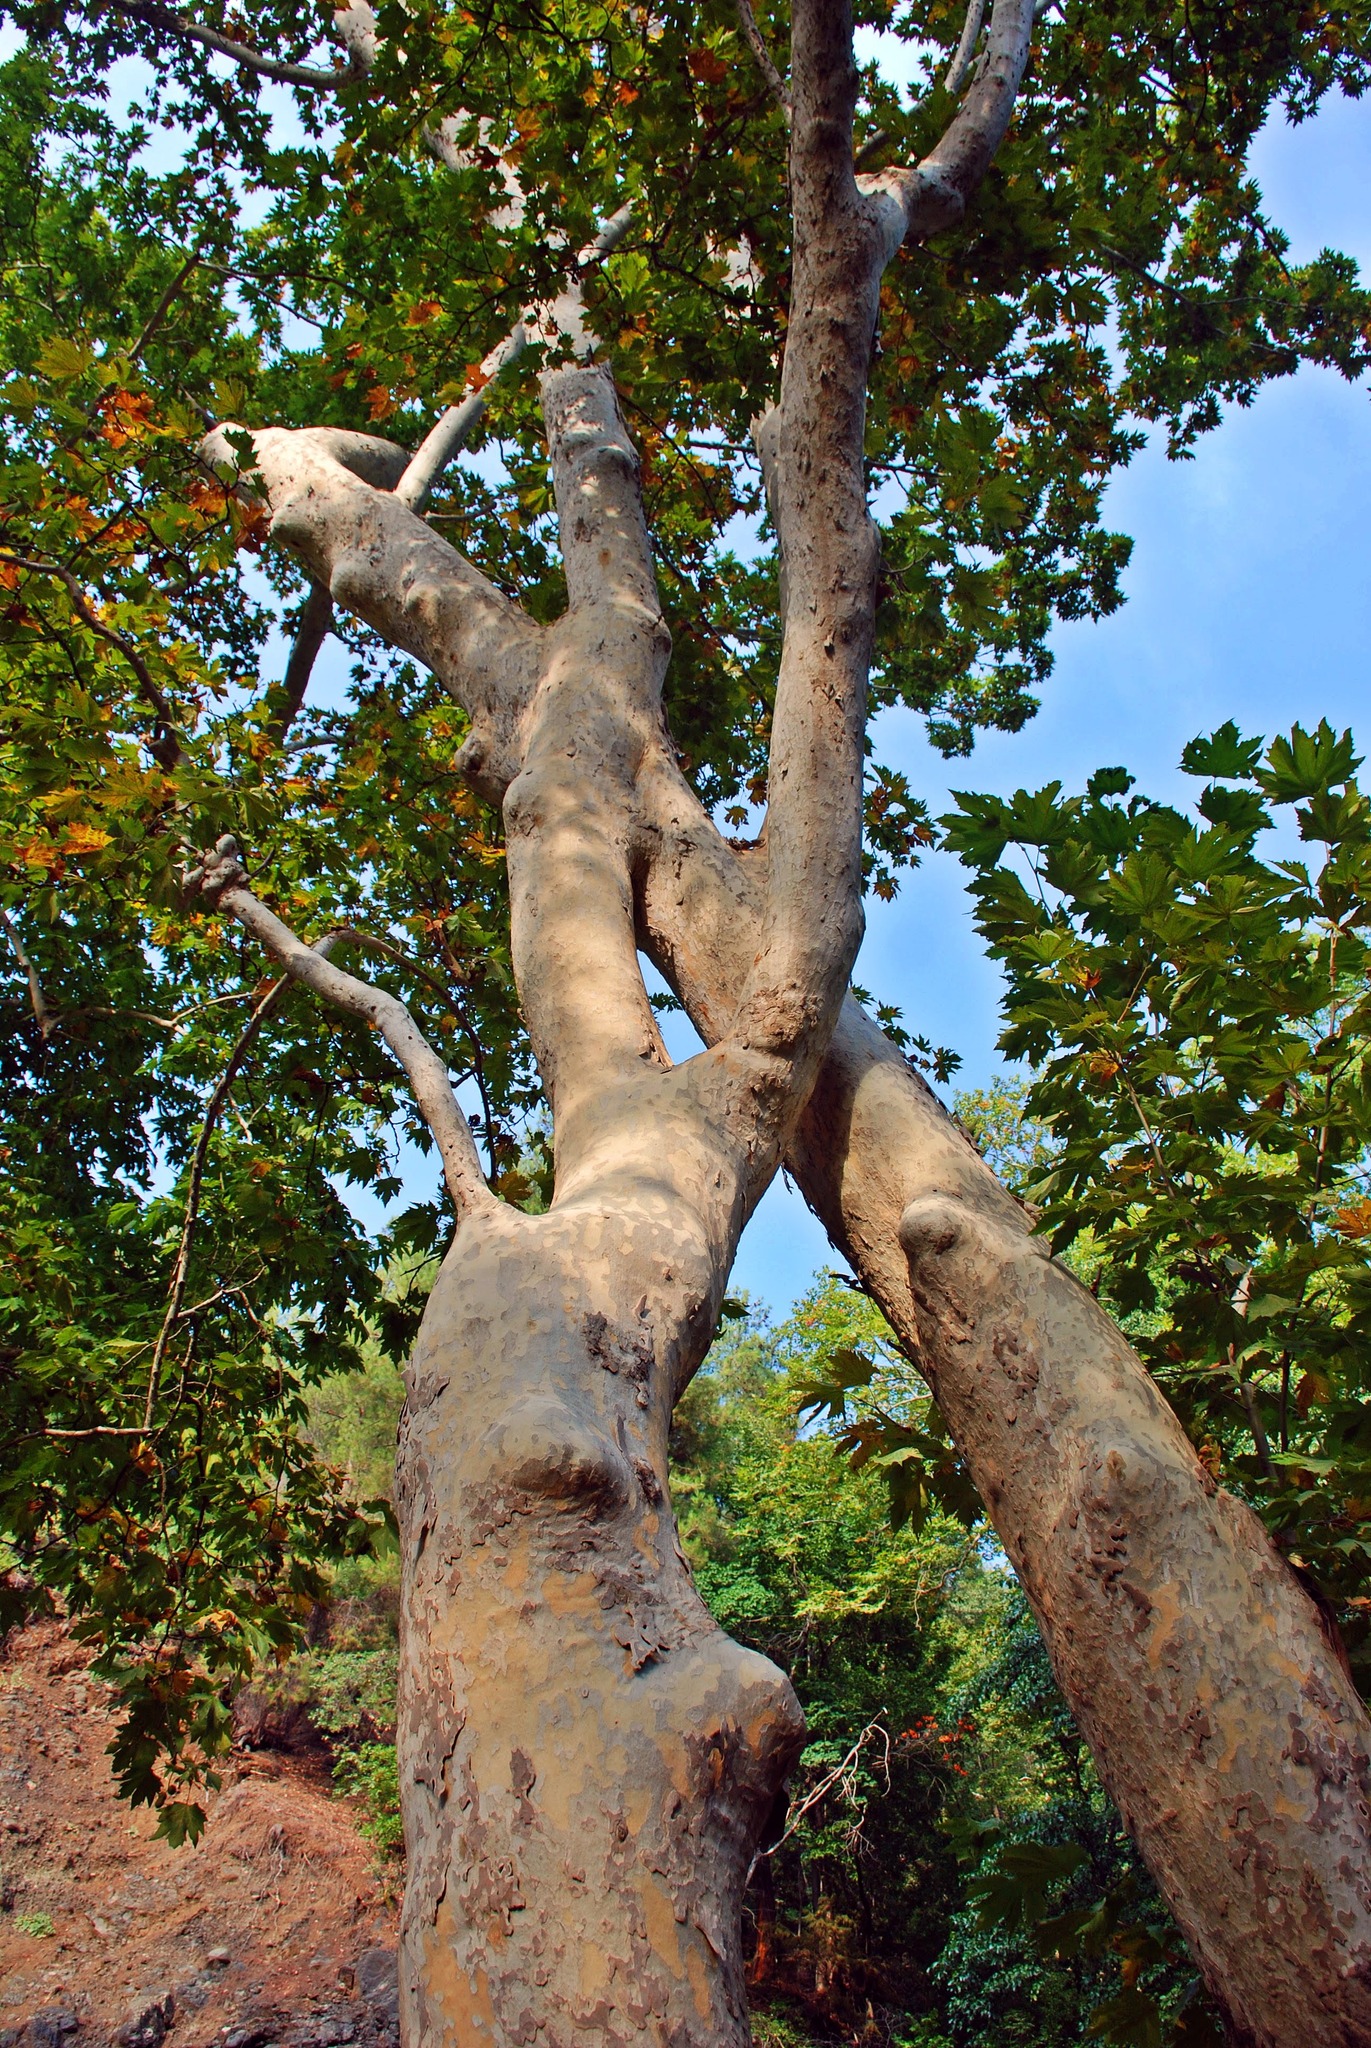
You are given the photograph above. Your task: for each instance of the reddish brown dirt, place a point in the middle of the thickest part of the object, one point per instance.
(280, 1880)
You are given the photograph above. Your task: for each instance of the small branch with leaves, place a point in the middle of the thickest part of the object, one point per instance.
(220, 879)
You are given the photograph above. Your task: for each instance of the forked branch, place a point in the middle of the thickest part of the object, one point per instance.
(813, 460)
(550, 317)
(934, 194)
(221, 880)
(332, 499)
(756, 42)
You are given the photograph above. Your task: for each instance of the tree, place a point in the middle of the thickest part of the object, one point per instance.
(1197, 1021)
(587, 1760)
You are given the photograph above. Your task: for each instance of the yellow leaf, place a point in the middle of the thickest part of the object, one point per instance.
(62, 360)
(79, 839)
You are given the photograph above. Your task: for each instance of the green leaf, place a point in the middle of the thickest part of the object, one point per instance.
(1130, 2020)
(179, 1822)
(1014, 1890)
(64, 360)
(1109, 782)
(1224, 753)
(1307, 764)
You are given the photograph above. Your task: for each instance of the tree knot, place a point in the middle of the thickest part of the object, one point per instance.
(208, 874)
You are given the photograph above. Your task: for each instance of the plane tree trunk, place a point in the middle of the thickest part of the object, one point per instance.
(587, 1758)
(587, 1762)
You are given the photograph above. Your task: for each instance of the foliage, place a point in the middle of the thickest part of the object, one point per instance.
(1014, 1143)
(1060, 1922)
(37, 1924)
(183, 1260)
(369, 1773)
(945, 1805)
(1194, 998)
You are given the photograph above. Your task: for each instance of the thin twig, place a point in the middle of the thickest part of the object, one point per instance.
(164, 304)
(180, 1271)
(166, 747)
(825, 1785)
(166, 19)
(220, 877)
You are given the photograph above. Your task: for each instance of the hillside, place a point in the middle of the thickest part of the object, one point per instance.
(274, 1928)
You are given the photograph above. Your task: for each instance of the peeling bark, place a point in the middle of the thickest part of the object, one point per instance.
(587, 1758)
(588, 1763)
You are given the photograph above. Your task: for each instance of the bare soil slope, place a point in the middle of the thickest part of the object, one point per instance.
(274, 1928)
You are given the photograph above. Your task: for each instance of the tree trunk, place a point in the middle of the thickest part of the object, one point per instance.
(586, 1759)
(1223, 1722)
(1221, 1719)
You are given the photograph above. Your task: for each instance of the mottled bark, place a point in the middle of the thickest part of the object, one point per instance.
(587, 1759)
(587, 1762)
(1221, 1719)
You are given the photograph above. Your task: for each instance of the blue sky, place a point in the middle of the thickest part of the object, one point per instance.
(1249, 597)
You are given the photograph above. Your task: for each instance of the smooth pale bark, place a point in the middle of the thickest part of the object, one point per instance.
(587, 1761)
(1220, 1716)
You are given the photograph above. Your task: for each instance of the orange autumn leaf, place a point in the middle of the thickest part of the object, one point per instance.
(251, 523)
(708, 68)
(422, 312)
(380, 404)
(79, 839)
(38, 853)
(126, 416)
(85, 520)
(208, 498)
(1355, 1220)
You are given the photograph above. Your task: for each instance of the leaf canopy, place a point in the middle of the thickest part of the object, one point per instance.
(273, 236)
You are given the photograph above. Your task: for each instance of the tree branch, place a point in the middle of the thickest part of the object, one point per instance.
(552, 316)
(812, 457)
(570, 818)
(960, 66)
(164, 305)
(170, 23)
(756, 42)
(44, 1018)
(166, 747)
(332, 499)
(220, 878)
(316, 623)
(934, 195)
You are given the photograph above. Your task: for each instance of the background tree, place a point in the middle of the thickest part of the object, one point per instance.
(1197, 1017)
(138, 723)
